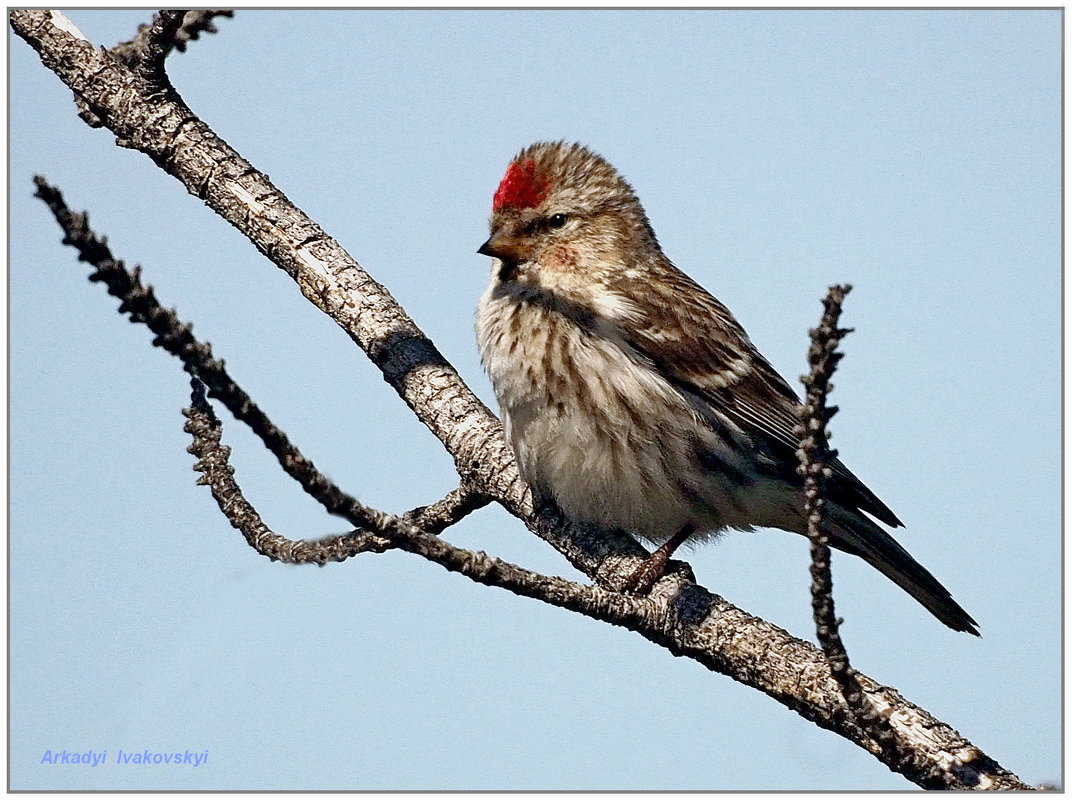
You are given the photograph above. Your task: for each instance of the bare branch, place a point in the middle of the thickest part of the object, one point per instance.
(169, 29)
(678, 615)
(391, 532)
(176, 337)
(197, 22)
(159, 38)
(815, 456)
(146, 52)
(445, 513)
(212, 462)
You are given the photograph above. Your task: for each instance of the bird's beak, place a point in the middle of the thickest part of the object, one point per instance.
(503, 244)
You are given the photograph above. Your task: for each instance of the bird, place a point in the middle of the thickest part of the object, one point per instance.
(632, 398)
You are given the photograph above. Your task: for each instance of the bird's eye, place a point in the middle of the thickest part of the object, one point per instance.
(556, 220)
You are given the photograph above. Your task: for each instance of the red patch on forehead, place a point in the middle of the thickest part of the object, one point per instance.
(521, 187)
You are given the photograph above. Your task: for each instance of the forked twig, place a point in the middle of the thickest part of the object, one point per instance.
(140, 303)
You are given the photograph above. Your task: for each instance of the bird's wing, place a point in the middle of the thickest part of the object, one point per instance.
(696, 343)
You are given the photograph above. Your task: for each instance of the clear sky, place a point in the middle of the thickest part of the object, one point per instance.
(914, 154)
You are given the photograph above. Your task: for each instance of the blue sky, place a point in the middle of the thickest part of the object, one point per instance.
(914, 154)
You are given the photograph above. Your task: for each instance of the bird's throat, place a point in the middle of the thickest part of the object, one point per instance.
(507, 270)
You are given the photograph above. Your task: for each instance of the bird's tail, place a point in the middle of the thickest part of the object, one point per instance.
(854, 533)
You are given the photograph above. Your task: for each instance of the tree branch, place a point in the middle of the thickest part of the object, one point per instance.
(444, 513)
(815, 456)
(176, 337)
(217, 473)
(177, 33)
(678, 615)
(384, 534)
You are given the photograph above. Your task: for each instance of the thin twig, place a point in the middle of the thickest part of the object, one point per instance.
(172, 29)
(197, 22)
(392, 532)
(217, 473)
(444, 513)
(146, 52)
(815, 456)
(140, 303)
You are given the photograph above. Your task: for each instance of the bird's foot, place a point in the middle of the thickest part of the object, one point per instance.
(654, 567)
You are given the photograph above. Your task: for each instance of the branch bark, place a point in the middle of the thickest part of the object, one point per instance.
(147, 114)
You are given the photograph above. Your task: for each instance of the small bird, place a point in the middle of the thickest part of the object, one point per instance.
(631, 397)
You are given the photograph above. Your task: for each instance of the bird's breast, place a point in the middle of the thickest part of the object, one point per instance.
(591, 423)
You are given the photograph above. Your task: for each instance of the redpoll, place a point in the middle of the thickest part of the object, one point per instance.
(631, 397)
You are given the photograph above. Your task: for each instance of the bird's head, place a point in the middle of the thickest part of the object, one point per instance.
(561, 216)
